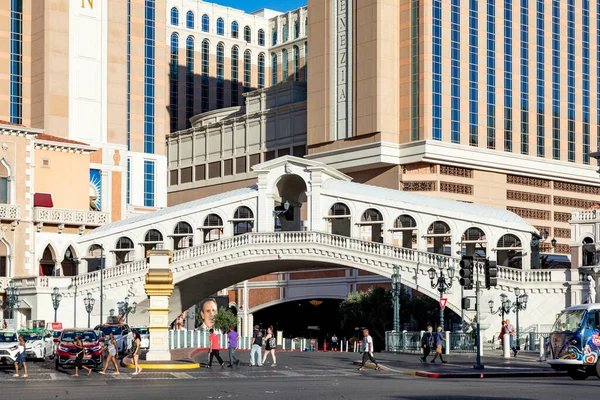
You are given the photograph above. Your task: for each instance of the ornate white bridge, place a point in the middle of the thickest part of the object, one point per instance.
(262, 229)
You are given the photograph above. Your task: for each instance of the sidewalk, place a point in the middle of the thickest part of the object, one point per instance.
(526, 364)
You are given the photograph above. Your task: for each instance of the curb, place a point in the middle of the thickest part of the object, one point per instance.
(471, 375)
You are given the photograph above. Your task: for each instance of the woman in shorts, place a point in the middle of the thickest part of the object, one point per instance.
(80, 354)
(270, 346)
(21, 357)
(112, 354)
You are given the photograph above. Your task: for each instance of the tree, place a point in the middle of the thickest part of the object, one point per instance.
(371, 309)
(224, 318)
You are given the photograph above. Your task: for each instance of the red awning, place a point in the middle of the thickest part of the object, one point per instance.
(42, 200)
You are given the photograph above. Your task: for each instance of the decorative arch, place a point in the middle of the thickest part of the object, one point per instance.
(371, 225)
(331, 296)
(405, 231)
(439, 237)
(124, 250)
(474, 243)
(340, 219)
(5, 258)
(153, 240)
(509, 250)
(70, 263)
(212, 228)
(183, 235)
(291, 188)
(588, 250)
(243, 220)
(94, 256)
(48, 261)
(6, 179)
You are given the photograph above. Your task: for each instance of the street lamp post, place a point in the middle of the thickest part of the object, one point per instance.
(101, 280)
(520, 304)
(125, 309)
(440, 282)
(505, 306)
(12, 294)
(89, 302)
(396, 296)
(56, 298)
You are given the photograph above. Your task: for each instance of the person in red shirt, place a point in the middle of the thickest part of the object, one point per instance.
(214, 348)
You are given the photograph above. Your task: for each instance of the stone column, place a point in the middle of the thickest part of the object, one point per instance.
(159, 287)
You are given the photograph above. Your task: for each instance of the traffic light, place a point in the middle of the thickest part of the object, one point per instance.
(466, 303)
(491, 274)
(466, 272)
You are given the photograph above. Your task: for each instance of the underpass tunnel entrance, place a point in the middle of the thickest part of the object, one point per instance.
(311, 319)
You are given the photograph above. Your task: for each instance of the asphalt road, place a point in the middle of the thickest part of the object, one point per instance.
(296, 376)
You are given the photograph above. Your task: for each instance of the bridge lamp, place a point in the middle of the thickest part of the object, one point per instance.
(89, 302)
(12, 294)
(396, 296)
(56, 298)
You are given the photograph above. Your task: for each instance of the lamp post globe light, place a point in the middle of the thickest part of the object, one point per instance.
(396, 296)
(89, 302)
(439, 282)
(504, 308)
(13, 294)
(56, 298)
(125, 308)
(102, 261)
(520, 304)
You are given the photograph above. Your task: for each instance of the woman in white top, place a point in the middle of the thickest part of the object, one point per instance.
(112, 354)
(21, 357)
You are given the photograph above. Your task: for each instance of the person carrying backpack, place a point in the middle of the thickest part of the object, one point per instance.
(427, 343)
(270, 346)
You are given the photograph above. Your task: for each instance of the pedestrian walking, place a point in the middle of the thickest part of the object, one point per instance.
(21, 357)
(510, 330)
(257, 340)
(334, 343)
(112, 354)
(427, 343)
(80, 354)
(270, 346)
(135, 352)
(214, 348)
(367, 349)
(232, 338)
(438, 339)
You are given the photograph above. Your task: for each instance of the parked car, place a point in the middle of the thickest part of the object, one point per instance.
(39, 343)
(9, 343)
(144, 335)
(66, 352)
(121, 332)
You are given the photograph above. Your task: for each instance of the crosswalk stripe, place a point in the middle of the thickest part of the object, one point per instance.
(181, 375)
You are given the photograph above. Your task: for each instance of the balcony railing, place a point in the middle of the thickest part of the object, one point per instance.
(67, 216)
(9, 212)
(586, 215)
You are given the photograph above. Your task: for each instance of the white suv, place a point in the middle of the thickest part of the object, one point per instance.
(39, 343)
(9, 344)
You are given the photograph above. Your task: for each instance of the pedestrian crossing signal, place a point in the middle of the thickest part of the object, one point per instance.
(466, 272)
(491, 273)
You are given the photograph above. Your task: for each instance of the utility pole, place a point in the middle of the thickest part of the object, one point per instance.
(477, 295)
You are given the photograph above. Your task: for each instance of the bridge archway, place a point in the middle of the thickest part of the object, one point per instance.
(289, 191)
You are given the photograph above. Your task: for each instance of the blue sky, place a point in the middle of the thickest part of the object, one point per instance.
(253, 5)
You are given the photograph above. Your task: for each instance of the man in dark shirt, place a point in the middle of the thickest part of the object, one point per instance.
(257, 339)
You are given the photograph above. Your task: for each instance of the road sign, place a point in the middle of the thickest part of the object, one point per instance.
(57, 326)
(443, 302)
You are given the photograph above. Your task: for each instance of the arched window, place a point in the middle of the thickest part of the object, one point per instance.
(94, 257)
(371, 226)
(174, 82)
(189, 20)
(69, 263)
(205, 75)
(474, 243)
(296, 62)
(189, 79)
(220, 26)
(273, 69)
(284, 65)
(247, 34)
(243, 221)
(339, 220)
(286, 33)
(205, 23)
(247, 65)
(339, 210)
(235, 51)
(261, 70)
(212, 228)
(588, 252)
(234, 30)
(124, 250)
(174, 16)
(4, 187)
(48, 262)
(509, 251)
(439, 228)
(371, 215)
(4, 272)
(439, 236)
(220, 74)
(404, 232)
(274, 37)
(183, 236)
(153, 240)
(296, 29)
(261, 37)
(474, 235)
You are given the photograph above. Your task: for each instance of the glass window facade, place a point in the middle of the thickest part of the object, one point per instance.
(220, 74)
(261, 37)
(247, 34)
(296, 29)
(284, 65)
(261, 70)
(189, 79)
(286, 33)
(128, 196)
(508, 75)
(556, 79)
(128, 75)
(205, 75)
(247, 69)
(205, 23)
(436, 130)
(585, 82)
(174, 82)
(235, 32)
(414, 70)
(189, 20)
(16, 61)
(571, 79)
(235, 59)
(473, 73)
(274, 37)
(149, 189)
(296, 62)
(539, 62)
(174, 16)
(455, 71)
(491, 73)
(524, 77)
(273, 69)
(149, 73)
(220, 27)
